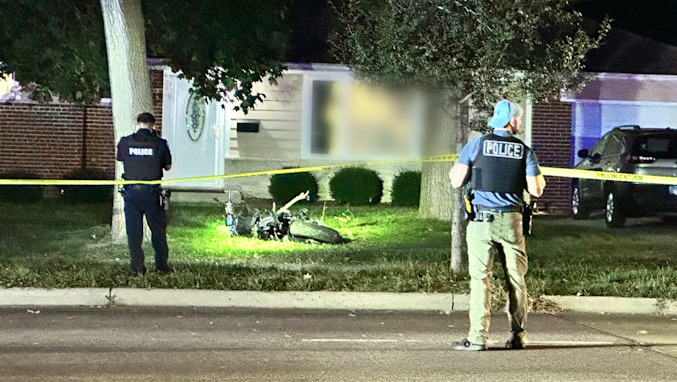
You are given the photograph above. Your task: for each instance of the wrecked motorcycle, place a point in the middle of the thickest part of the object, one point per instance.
(280, 224)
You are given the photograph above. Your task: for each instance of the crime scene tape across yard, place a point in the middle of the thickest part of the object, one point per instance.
(66, 182)
(547, 171)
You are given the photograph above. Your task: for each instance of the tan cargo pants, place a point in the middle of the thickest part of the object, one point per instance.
(505, 233)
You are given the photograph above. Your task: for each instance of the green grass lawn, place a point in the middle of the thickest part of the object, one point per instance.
(54, 244)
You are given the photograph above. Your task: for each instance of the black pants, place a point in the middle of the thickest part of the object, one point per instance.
(141, 201)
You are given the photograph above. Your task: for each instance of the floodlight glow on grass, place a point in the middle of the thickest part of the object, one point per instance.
(208, 238)
(215, 241)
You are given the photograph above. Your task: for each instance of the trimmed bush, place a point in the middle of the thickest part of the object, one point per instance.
(20, 194)
(407, 189)
(87, 194)
(284, 187)
(356, 186)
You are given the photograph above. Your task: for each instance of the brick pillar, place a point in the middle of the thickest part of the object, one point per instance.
(551, 140)
(100, 139)
(157, 89)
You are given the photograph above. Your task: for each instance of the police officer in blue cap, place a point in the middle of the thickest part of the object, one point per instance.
(145, 157)
(498, 168)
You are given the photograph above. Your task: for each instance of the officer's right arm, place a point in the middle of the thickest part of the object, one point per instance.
(166, 156)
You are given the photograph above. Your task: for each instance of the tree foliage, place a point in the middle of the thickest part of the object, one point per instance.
(463, 49)
(487, 48)
(224, 46)
(55, 47)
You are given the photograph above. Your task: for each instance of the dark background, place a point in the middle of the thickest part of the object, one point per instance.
(312, 21)
(655, 19)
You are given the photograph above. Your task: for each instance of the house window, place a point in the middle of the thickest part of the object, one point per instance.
(323, 137)
(351, 120)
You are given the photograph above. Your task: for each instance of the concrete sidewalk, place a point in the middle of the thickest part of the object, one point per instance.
(443, 302)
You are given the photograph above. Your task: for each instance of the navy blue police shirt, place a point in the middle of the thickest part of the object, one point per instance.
(491, 199)
(144, 155)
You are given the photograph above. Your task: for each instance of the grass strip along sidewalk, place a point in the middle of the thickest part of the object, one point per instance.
(53, 244)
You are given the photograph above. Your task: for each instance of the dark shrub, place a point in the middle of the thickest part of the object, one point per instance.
(87, 194)
(284, 187)
(20, 194)
(407, 189)
(356, 186)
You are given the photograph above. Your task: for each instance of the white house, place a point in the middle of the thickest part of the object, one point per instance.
(315, 115)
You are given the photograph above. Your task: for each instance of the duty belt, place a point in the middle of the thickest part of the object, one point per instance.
(499, 209)
(486, 214)
(143, 186)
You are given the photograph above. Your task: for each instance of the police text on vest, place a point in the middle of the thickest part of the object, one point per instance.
(500, 149)
(141, 151)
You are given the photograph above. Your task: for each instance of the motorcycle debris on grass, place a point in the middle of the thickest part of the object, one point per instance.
(279, 224)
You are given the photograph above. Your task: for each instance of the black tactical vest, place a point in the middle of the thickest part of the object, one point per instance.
(500, 165)
(143, 157)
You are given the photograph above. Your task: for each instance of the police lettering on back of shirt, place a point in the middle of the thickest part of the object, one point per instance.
(500, 149)
(144, 155)
(141, 151)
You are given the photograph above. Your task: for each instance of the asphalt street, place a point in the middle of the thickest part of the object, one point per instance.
(204, 344)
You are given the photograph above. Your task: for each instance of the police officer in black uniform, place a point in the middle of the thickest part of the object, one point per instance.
(145, 156)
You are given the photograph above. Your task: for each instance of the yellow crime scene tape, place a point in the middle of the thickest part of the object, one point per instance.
(547, 171)
(605, 175)
(65, 182)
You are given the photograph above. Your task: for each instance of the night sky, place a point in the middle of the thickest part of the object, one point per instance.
(312, 21)
(656, 19)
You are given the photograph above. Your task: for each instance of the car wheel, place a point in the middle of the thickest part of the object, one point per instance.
(578, 211)
(614, 213)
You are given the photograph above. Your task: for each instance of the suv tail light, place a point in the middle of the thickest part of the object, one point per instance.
(640, 159)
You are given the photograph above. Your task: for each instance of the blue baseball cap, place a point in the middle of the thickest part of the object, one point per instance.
(504, 110)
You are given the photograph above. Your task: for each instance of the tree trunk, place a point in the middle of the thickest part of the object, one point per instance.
(458, 223)
(436, 198)
(457, 233)
(129, 80)
(447, 134)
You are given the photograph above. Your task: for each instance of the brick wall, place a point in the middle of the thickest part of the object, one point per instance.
(49, 140)
(551, 140)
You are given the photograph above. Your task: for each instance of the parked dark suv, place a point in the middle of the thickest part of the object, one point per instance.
(632, 150)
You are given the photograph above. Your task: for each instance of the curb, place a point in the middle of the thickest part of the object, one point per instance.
(614, 305)
(439, 302)
(34, 298)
